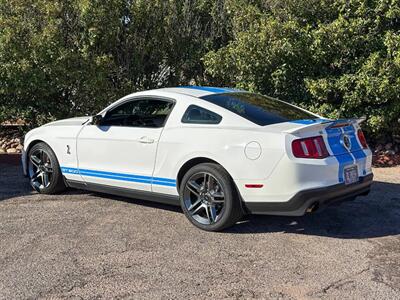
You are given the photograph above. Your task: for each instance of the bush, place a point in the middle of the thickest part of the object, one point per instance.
(62, 58)
(337, 58)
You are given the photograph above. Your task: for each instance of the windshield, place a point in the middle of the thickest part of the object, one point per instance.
(259, 109)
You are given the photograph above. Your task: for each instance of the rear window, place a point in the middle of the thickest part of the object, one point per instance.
(258, 109)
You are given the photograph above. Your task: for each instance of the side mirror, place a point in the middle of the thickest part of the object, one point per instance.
(96, 120)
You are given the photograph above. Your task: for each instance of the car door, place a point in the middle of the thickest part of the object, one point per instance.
(121, 150)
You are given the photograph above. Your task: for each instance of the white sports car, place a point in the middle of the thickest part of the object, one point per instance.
(219, 153)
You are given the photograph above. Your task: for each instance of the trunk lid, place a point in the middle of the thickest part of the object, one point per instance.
(340, 135)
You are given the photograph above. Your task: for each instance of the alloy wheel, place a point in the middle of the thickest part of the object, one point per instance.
(40, 169)
(204, 198)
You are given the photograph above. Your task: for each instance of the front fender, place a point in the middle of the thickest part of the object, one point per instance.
(61, 139)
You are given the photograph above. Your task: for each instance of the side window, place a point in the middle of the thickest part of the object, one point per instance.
(198, 115)
(150, 113)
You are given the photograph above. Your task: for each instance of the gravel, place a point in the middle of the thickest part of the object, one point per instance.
(81, 245)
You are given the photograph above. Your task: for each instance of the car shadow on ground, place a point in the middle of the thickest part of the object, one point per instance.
(376, 215)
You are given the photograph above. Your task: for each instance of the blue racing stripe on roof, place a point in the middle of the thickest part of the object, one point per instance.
(210, 89)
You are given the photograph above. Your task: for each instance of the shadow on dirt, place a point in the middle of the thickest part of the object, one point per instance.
(376, 215)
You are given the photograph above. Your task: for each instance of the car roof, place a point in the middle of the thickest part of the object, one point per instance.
(191, 91)
(198, 91)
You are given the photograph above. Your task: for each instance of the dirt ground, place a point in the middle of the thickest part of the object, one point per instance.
(81, 245)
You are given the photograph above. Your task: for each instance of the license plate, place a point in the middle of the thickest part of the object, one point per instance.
(350, 175)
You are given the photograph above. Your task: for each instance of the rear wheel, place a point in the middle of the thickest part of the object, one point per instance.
(44, 171)
(209, 199)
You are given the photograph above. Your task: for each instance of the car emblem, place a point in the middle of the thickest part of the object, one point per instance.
(345, 141)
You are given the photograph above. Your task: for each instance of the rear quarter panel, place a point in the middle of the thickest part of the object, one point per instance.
(224, 143)
(226, 146)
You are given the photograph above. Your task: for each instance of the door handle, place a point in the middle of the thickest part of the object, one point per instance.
(146, 140)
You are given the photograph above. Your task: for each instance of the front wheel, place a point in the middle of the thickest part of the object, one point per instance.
(44, 171)
(209, 199)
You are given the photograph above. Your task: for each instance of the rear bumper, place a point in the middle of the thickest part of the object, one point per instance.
(300, 202)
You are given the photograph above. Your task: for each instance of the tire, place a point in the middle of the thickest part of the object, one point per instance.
(202, 203)
(42, 161)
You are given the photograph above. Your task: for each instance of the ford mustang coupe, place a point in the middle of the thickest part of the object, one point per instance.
(218, 153)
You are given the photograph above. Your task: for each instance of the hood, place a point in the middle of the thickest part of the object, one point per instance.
(69, 122)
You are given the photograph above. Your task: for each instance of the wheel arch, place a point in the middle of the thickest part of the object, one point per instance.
(199, 160)
(190, 164)
(29, 147)
(33, 143)
(196, 161)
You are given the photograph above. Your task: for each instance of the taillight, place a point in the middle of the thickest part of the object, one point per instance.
(312, 147)
(361, 138)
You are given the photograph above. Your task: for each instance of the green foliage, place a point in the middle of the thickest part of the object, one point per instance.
(60, 58)
(339, 58)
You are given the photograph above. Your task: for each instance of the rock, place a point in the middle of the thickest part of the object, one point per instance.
(379, 148)
(12, 150)
(2, 150)
(388, 146)
(20, 147)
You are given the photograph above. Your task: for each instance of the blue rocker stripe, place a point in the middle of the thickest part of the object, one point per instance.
(163, 183)
(84, 171)
(121, 176)
(128, 175)
(116, 177)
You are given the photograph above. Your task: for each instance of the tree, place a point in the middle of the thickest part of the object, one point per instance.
(338, 58)
(69, 57)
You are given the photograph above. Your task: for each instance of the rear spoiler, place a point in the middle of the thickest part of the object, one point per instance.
(317, 125)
